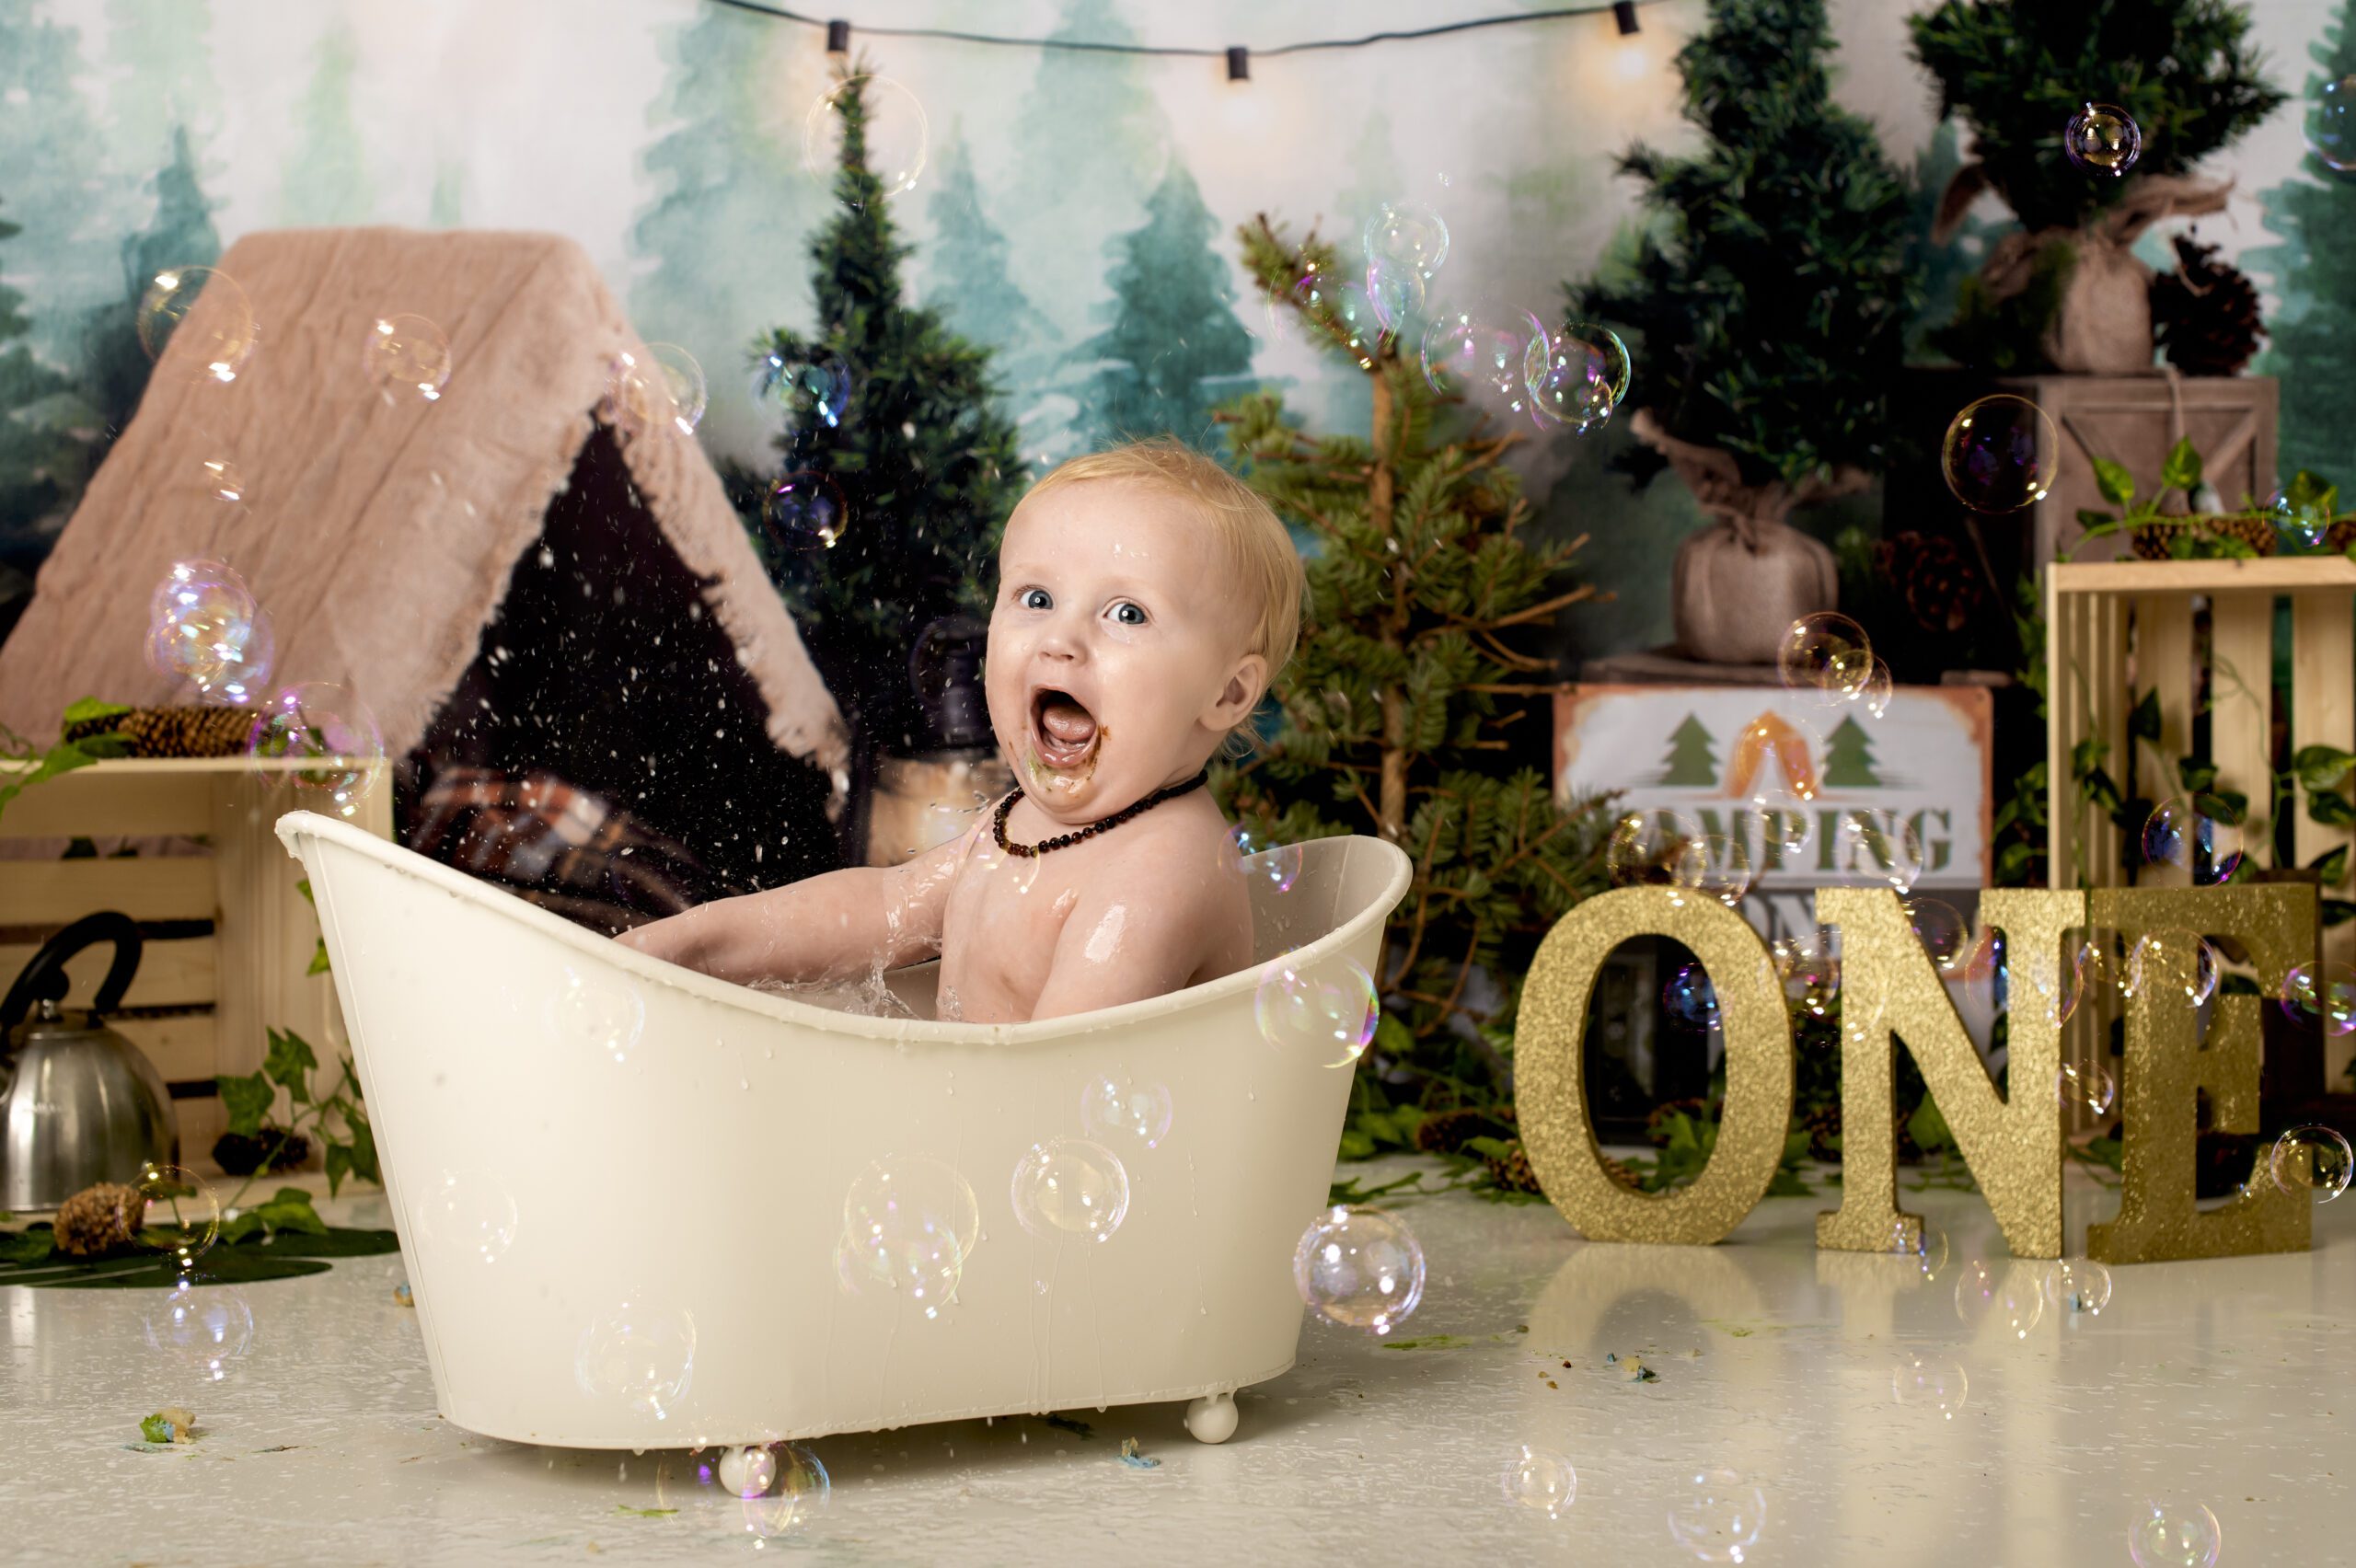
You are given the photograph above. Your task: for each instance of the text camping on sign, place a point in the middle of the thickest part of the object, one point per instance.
(1793, 779)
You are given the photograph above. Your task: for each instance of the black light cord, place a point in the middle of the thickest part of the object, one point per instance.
(1624, 9)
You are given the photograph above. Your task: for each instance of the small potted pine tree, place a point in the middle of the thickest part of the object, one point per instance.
(1767, 299)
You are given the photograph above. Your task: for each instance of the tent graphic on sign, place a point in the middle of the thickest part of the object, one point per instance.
(1769, 739)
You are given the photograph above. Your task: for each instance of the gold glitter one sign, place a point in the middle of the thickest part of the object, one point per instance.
(1890, 994)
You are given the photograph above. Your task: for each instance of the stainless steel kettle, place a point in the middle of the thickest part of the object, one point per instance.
(78, 1102)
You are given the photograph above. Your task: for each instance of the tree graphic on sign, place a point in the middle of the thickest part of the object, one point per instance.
(1849, 758)
(1689, 760)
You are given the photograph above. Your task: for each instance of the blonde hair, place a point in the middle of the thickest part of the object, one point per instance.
(1247, 528)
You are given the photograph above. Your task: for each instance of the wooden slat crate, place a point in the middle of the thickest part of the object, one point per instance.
(2119, 629)
(237, 936)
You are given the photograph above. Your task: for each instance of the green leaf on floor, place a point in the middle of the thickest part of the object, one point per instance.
(644, 1513)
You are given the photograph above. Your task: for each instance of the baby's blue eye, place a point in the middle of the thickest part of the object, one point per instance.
(1129, 614)
(1036, 599)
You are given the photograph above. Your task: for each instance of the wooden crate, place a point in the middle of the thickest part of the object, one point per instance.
(242, 935)
(2118, 629)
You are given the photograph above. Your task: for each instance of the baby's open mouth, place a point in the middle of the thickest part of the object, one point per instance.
(1064, 732)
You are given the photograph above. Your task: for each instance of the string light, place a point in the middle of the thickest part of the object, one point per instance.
(1238, 58)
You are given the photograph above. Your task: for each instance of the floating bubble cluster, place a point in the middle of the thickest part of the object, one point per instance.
(205, 629)
(1808, 967)
(1690, 999)
(2331, 125)
(220, 478)
(2311, 1159)
(1825, 655)
(2001, 454)
(815, 389)
(1889, 850)
(765, 1489)
(909, 1223)
(2173, 965)
(2301, 521)
(664, 390)
(1716, 866)
(595, 1013)
(1359, 1267)
(225, 325)
(200, 1329)
(1073, 1187)
(2200, 834)
(2322, 994)
(2102, 138)
(1328, 1013)
(1466, 357)
(1574, 378)
(331, 731)
(2083, 1086)
(2098, 971)
(2006, 1297)
(1276, 864)
(640, 1357)
(174, 1214)
(1407, 234)
(1927, 1245)
(2078, 1287)
(1646, 848)
(1940, 928)
(2173, 1532)
(474, 1218)
(1540, 1479)
(1931, 1384)
(1115, 1108)
(1395, 291)
(898, 137)
(803, 511)
(406, 357)
(1717, 1515)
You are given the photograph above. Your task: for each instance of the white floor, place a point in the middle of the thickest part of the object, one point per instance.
(2228, 1384)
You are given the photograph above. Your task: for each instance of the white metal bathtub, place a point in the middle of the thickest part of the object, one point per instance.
(620, 1184)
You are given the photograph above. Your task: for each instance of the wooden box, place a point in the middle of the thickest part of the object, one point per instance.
(232, 936)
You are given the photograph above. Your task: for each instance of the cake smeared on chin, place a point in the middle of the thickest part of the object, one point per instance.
(1063, 746)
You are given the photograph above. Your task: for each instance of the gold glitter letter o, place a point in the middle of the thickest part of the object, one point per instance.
(1550, 1096)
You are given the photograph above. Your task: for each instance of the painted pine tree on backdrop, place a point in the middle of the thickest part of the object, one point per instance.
(1399, 713)
(1173, 346)
(2313, 335)
(967, 278)
(38, 461)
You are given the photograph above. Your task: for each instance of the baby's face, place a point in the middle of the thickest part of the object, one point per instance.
(1116, 653)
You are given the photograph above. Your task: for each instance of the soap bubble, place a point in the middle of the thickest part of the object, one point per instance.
(1328, 1014)
(1809, 970)
(1927, 1245)
(1541, 1479)
(1715, 865)
(814, 389)
(206, 630)
(1119, 1107)
(2086, 1085)
(2200, 833)
(2331, 126)
(1891, 852)
(597, 1012)
(2311, 1159)
(2079, 1286)
(201, 1328)
(2009, 1299)
(662, 390)
(2176, 963)
(909, 1223)
(1690, 999)
(2001, 454)
(803, 511)
(1939, 927)
(225, 325)
(765, 1489)
(1466, 357)
(897, 134)
(1352, 311)
(1409, 233)
(1876, 691)
(2301, 521)
(2173, 1532)
(1395, 291)
(2103, 138)
(1646, 848)
(640, 1357)
(174, 1213)
(1070, 1185)
(1773, 768)
(2098, 971)
(1359, 1267)
(1930, 1384)
(1609, 347)
(1572, 380)
(2323, 995)
(1825, 655)
(319, 720)
(1718, 1515)
(476, 1218)
(406, 356)
(220, 478)
(1276, 864)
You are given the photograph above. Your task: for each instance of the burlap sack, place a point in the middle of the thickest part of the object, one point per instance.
(1739, 584)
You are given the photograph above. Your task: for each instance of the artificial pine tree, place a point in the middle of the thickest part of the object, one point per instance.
(1691, 763)
(1173, 346)
(1769, 296)
(925, 463)
(2312, 340)
(1403, 710)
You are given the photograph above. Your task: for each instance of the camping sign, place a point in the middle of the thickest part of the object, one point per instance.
(1818, 793)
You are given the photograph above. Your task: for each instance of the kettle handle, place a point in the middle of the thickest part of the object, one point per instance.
(44, 978)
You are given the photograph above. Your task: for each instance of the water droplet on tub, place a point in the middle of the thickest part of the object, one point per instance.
(743, 1083)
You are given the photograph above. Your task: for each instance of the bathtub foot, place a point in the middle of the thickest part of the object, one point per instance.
(1211, 1419)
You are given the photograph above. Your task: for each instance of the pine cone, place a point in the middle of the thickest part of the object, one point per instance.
(2149, 540)
(1512, 1172)
(1447, 1131)
(239, 1154)
(97, 1219)
(174, 732)
(1942, 590)
(2205, 314)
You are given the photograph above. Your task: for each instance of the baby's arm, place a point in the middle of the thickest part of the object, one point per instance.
(1128, 939)
(822, 928)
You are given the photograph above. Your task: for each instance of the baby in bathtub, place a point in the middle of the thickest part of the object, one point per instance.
(1146, 598)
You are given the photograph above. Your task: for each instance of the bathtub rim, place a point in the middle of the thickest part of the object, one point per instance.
(649, 969)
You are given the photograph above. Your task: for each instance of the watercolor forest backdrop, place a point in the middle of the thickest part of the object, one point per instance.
(1077, 211)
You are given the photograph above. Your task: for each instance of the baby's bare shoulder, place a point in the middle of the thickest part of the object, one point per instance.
(1189, 850)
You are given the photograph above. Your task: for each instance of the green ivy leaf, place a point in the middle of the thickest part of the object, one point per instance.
(319, 959)
(1356, 1145)
(91, 710)
(2332, 865)
(2182, 469)
(290, 1063)
(247, 1100)
(1929, 1128)
(2330, 808)
(2322, 768)
(31, 1245)
(338, 1162)
(304, 887)
(2337, 912)
(2195, 775)
(2143, 724)
(2117, 486)
(2230, 807)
